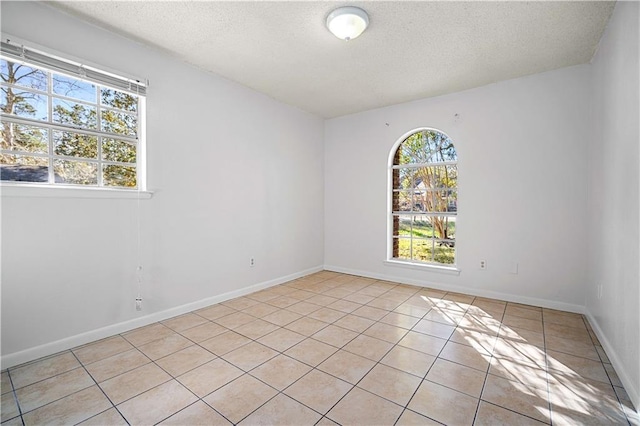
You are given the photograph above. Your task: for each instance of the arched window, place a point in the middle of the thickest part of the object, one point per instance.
(424, 199)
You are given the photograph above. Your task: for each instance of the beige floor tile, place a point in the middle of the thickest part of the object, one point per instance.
(335, 336)
(281, 339)
(412, 310)
(282, 317)
(370, 312)
(184, 322)
(492, 415)
(9, 407)
(347, 366)
(354, 323)
(250, 356)
(56, 387)
(165, 346)
(318, 390)
(321, 300)
(433, 328)
(458, 377)
(16, 421)
(385, 304)
(365, 408)
(613, 376)
(71, 409)
(117, 364)
(327, 315)
(565, 332)
(157, 404)
(239, 398)
(563, 318)
(399, 320)
(522, 335)
(5, 386)
(477, 357)
(280, 371)
(571, 347)
(240, 303)
(325, 421)
(311, 352)
(443, 404)
(256, 329)
(524, 312)
(149, 333)
(283, 301)
(209, 377)
(197, 413)
(602, 354)
(527, 400)
(306, 326)
(572, 365)
(520, 322)
(386, 332)
(409, 360)
(339, 292)
(423, 343)
(260, 310)
(102, 349)
(444, 316)
(225, 343)
(411, 418)
(234, 320)
(528, 374)
(263, 296)
(203, 332)
(282, 410)
(483, 324)
(33, 372)
(134, 382)
(303, 308)
(344, 306)
(486, 341)
(390, 383)
(110, 417)
(368, 347)
(214, 312)
(359, 298)
(185, 360)
(521, 351)
(301, 294)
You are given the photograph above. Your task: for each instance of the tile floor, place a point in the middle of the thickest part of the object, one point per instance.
(330, 349)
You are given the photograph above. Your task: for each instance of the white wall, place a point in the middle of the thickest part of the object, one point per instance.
(613, 195)
(235, 174)
(522, 147)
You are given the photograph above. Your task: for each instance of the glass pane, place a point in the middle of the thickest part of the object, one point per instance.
(421, 227)
(403, 201)
(427, 146)
(22, 168)
(405, 179)
(452, 203)
(120, 123)
(421, 200)
(76, 172)
(404, 248)
(23, 75)
(444, 252)
(74, 114)
(74, 88)
(404, 226)
(422, 250)
(437, 177)
(440, 201)
(24, 104)
(17, 137)
(121, 151)
(116, 99)
(75, 144)
(119, 176)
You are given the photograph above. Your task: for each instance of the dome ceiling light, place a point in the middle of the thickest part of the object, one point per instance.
(347, 23)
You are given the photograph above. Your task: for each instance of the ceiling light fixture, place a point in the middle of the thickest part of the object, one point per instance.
(347, 23)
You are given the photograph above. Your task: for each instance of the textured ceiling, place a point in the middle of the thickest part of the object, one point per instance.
(411, 50)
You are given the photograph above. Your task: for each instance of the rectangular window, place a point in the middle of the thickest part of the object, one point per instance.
(63, 123)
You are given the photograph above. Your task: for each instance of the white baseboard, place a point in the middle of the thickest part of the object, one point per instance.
(630, 386)
(544, 303)
(17, 358)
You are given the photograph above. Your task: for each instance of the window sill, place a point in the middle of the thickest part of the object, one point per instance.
(449, 270)
(41, 191)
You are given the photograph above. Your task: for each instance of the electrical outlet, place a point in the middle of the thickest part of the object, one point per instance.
(483, 264)
(252, 261)
(138, 304)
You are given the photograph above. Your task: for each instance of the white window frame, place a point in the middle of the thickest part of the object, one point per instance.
(53, 62)
(410, 263)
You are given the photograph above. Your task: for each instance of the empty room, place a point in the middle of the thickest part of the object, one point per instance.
(319, 212)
